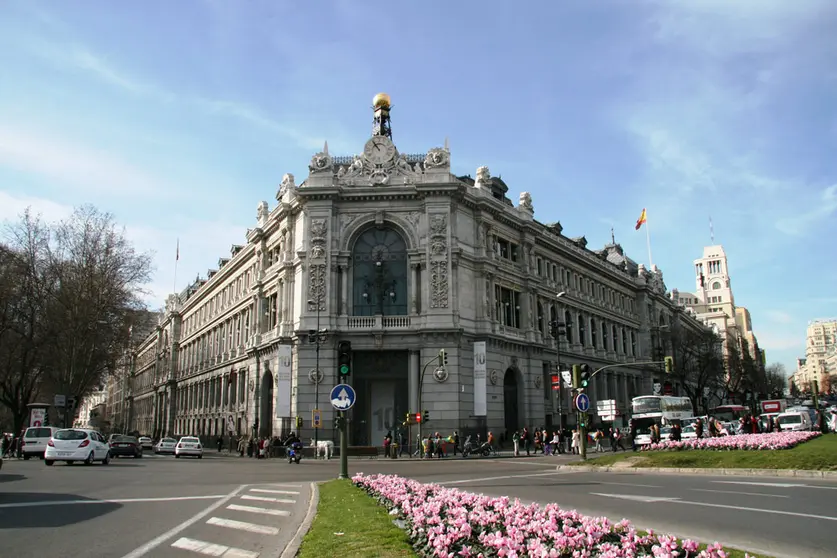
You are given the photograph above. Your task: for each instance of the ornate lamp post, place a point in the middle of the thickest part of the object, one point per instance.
(317, 337)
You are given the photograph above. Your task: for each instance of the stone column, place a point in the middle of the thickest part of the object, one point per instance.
(344, 290)
(415, 288)
(413, 377)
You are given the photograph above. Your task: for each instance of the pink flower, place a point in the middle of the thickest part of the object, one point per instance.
(445, 522)
(752, 442)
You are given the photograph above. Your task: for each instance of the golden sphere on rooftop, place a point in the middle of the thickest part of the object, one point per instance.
(381, 100)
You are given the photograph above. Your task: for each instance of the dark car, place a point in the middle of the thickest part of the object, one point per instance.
(121, 446)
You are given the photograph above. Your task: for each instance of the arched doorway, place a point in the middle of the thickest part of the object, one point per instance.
(379, 273)
(510, 402)
(266, 404)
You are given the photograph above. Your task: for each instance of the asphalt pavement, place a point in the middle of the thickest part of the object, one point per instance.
(246, 508)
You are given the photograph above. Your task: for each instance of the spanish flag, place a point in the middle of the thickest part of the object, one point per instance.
(643, 218)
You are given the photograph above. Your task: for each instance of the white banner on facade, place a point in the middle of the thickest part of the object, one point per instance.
(283, 382)
(480, 374)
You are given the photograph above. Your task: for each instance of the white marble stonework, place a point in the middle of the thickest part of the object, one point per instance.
(396, 254)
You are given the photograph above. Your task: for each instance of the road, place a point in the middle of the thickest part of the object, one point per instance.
(162, 507)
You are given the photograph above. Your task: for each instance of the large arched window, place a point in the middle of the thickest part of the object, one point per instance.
(379, 274)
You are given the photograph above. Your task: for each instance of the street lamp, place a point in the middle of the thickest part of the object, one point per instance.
(557, 334)
(317, 340)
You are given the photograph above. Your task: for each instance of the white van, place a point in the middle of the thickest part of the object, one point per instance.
(35, 440)
(794, 421)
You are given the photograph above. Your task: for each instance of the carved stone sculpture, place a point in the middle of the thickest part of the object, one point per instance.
(525, 202)
(483, 174)
(287, 184)
(317, 287)
(319, 237)
(321, 162)
(439, 284)
(262, 212)
(436, 158)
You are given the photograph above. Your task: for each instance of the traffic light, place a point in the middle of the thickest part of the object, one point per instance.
(344, 359)
(418, 418)
(299, 422)
(556, 382)
(409, 418)
(338, 422)
(582, 420)
(426, 416)
(584, 375)
(669, 365)
(443, 357)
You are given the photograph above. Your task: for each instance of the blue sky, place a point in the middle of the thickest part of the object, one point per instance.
(180, 117)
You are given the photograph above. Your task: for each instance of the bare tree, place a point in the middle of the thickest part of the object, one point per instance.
(25, 286)
(698, 364)
(775, 380)
(99, 277)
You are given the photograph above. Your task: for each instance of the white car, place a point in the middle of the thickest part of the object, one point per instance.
(166, 445)
(146, 442)
(77, 444)
(189, 445)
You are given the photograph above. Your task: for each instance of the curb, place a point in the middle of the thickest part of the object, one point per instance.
(292, 548)
(799, 473)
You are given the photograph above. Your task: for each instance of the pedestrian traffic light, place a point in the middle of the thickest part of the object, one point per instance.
(299, 422)
(426, 416)
(556, 382)
(443, 357)
(344, 359)
(584, 375)
(669, 365)
(418, 418)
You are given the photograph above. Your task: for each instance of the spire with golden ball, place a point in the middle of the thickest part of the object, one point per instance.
(381, 125)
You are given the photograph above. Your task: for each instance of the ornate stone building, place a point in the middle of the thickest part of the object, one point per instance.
(398, 256)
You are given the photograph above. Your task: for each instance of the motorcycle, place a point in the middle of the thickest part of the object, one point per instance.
(295, 452)
(468, 448)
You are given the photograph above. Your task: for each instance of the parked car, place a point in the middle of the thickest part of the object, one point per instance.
(166, 445)
(189, 445)
(77, 444)
(121, 446)
(145, 442)
(793, 421)
(35, 440)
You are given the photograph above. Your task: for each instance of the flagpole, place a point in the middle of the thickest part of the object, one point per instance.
(648, 242)
(176, 260)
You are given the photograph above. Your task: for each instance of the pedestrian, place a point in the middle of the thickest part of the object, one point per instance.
(455, 442)
(516, 443)
(576, 441)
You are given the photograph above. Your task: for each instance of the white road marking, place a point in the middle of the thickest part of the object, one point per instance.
(154, 543)
(285, 484)
(266, 491)
(645, 499)
(210, 549)
(268, 499)
(776, 484)
(254, 509)
(734, 492)
(742, 508)
(631, 484)
(110, 501)
(243, 526)
(484, 479)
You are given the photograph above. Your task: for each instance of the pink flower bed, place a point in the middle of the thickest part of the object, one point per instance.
(449, 523)
(750, 442)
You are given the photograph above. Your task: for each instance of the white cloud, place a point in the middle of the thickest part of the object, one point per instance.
(69, 162)
(801, 223)
(202, 243)
(79, 57)
(782, 339)
(780, 317)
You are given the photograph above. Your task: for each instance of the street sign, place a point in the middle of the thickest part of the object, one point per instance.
(582, 402)
(342, 397)
(316, 418)
(59, 401)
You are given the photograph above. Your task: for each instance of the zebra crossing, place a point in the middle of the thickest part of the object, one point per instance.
(258, 522)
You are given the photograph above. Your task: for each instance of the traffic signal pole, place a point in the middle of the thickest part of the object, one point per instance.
(580, 422)
(344, 447)
(440, 358)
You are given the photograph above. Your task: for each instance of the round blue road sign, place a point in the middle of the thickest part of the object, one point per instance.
(582, 402)
(342, 397)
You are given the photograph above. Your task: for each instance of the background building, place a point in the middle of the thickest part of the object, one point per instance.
(393, 253)
(818, 364)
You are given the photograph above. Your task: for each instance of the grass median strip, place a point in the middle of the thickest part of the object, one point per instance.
(365, 527)
(820, 454)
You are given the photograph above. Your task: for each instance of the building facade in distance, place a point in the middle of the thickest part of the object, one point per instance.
(820, 344)
(396, 255)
